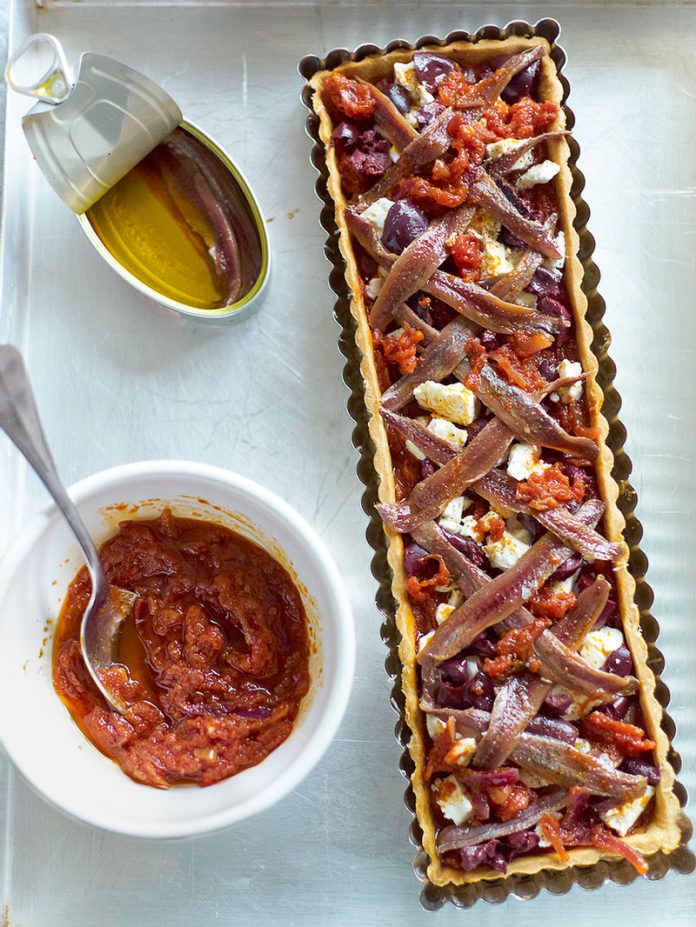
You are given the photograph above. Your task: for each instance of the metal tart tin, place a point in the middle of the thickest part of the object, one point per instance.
(561, 881)
(87, 132)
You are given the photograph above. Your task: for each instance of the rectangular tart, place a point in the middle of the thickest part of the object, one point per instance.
(536, 733)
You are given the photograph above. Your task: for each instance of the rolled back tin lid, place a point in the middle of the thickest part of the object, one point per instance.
(87, 136)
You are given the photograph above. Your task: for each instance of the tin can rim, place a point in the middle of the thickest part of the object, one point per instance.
(249, 301)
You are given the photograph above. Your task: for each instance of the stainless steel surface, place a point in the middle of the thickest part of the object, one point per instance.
(108, 606)
(266, 399)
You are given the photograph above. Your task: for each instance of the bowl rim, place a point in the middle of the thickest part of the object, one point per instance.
(341, 620)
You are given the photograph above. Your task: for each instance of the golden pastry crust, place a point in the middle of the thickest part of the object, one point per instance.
(663, 832)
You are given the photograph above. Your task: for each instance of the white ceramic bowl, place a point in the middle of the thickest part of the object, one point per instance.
(35, 727)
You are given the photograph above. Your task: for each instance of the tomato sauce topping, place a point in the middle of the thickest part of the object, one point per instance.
(549, 489)
(348, 96)
(213, 664)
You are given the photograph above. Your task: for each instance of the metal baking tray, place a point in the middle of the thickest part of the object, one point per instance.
(557, 881)
(117, 381)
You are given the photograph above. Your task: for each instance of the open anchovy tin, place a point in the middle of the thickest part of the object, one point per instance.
(519, 885)
(163, 204)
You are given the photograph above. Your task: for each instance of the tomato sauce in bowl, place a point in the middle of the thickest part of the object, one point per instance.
(214, 662)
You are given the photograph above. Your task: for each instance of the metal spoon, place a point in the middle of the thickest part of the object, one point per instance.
(109, 605)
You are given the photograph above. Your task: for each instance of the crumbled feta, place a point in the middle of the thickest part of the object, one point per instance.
(376, 214)
(566, 585)
(582, 745)
(506, 552)
(566, 394)
(445, 609)
(525, 459)
(452, 800)
(466, 527)
(453, 401)
(599, 644)
(406, 75)
(435, 726)
(505, 146)
(447, 431)
(485, 225)
(623, 818)
(373, 286)
(425, 640)
(394, 154)
(461, 751)
(442, 612)
(528, 300)
(497, 259)
(537, 173)
(455, 508)
(579, 705)
(451, 518)
(557, 263)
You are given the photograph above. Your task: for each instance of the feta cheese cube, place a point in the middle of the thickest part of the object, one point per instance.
(518, 530)
(442, 612)
(507, 145)
(528, 300)
(622, 818)
(376, 214)
(425, 640)
(525, 459)
(406, 75)
(506, 552)
(373, 286)
(435, 726)
(537, 173)
(453, 401)
(394, 154)
(452, 800)
(599, 644)
(466, 527)
(447, 431)
(455, 508)
(568, 368)
(565, 585)
(497, 258)
(557, 263)
(461, 752)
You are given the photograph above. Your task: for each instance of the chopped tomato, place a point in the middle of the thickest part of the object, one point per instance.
(400, 351)
(628, 738)
(572, 417)
(476, 353)
(519, 371)
(549, 489)
(350, 97)
(551, 831)
(549, 604)
(523, 119)
(509, 800)
(527, 343)
(495, 526)
(455, 90)
(428, 194)
(466, 252)
(514, 647)
(418, 588)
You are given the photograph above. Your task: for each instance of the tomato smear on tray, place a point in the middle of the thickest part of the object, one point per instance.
(213, 661)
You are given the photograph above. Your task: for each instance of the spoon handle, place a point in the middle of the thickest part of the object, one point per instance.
(19, 418)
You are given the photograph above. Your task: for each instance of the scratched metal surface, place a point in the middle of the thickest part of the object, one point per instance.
(117, 381)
